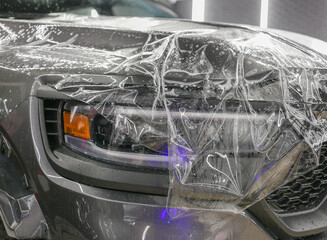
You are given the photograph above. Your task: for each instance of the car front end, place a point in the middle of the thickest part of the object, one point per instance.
(106, 124)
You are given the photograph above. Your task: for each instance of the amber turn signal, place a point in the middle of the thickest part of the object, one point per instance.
(77, 125)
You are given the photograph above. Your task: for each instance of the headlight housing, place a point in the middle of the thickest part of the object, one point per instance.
(89, 133)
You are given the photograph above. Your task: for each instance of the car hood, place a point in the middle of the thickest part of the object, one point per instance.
(63, 43)
(173, 25)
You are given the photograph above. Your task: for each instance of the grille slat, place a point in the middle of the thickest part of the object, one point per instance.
(51, 121)
(304, 193)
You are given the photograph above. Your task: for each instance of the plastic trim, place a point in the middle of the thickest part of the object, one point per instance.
(23, 218)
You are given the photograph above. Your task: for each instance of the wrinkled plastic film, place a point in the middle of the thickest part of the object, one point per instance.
(232, 112)
(261, 125)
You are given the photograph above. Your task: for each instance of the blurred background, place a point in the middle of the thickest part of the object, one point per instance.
(307, 17)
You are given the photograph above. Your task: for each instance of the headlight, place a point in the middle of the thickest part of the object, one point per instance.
(89, 133)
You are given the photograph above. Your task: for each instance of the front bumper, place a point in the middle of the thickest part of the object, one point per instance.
(77, 211)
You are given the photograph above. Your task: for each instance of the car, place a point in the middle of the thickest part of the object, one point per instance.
(151, 128)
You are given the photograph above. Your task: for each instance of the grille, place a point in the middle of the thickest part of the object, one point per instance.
(304, 193)
(51, 121)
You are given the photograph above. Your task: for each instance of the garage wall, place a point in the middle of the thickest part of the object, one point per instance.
(308, 17)
(303, 16)
(233, 11)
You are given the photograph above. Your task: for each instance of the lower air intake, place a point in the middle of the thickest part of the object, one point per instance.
(304, 193)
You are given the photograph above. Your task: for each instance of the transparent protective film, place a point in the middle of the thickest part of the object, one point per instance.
(232, 112)
(257, 117)
(237, 111)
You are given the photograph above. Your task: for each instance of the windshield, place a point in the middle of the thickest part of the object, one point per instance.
(94, 8)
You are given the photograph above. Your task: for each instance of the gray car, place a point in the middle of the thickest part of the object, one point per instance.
(70, 169)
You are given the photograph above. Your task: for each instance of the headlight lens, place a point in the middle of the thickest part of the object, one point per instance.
(89, 133)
